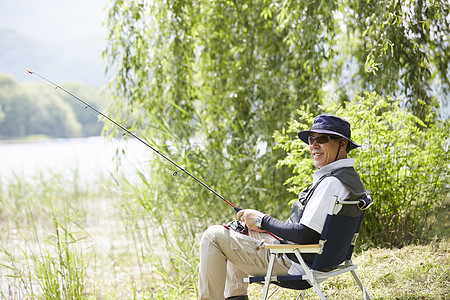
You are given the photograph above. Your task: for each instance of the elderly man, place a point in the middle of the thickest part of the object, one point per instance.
(227, 256)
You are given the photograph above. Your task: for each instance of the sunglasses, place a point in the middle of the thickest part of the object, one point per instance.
(321, 139)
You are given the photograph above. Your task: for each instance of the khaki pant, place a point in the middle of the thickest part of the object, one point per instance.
(226, 257)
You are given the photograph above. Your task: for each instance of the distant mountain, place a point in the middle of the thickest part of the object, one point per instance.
(77, 60)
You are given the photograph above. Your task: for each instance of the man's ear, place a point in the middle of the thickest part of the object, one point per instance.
(343, 144)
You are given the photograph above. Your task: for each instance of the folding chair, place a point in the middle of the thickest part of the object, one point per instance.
(332, 256)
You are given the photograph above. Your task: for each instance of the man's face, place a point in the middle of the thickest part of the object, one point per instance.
(323, 154)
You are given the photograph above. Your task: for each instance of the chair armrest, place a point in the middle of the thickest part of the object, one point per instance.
(292, 248)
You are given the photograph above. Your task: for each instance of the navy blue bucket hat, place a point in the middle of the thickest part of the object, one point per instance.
(331, 125)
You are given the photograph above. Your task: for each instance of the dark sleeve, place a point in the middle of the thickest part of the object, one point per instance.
(294, 232)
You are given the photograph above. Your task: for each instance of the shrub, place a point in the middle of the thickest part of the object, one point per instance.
(403, 161)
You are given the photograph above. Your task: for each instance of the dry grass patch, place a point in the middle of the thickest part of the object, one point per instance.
(412, 272)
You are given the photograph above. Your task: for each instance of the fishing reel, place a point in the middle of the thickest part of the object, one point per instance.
(237, 226)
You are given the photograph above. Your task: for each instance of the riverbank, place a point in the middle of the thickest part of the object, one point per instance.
(111, 238)
(60, 238)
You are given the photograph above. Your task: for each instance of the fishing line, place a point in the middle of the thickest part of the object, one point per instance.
(92, 108)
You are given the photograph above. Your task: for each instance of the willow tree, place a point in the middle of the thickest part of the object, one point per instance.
(402, 49)
(210, 81)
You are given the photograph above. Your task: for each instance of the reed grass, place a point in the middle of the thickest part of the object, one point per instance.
(60, 239)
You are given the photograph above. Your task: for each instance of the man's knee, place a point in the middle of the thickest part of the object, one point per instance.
(213, 233)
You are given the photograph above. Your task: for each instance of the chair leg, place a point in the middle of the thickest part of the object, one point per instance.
(310, 276)
(268, 276)
(361, 286)
(301, 296)
(319, 291)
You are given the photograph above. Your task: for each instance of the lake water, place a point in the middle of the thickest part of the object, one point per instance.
(93, 158)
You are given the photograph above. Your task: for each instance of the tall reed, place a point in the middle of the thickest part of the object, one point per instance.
(167, 233)
(40, 241)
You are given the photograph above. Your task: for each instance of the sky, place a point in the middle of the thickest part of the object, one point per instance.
(48, 20)
(61, 33)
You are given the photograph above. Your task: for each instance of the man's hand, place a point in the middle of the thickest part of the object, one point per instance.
(248, 216)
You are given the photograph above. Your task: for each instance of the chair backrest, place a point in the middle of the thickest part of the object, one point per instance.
(340, 232)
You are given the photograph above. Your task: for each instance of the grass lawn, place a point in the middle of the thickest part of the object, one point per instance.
(413, 272)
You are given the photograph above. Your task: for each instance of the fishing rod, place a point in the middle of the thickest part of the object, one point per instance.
(234, 224)
(87, 105)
